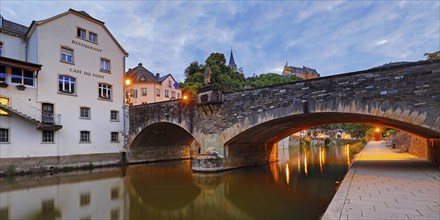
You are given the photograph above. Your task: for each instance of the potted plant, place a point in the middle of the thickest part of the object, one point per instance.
(3, 84)
(21, 87)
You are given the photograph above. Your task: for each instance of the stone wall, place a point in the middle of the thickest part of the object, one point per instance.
(157, 153)
(42, 164)
(413, 144)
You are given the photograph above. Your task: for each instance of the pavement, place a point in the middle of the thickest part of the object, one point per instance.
(384, 184)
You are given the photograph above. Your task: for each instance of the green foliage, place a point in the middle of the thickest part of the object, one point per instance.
(10, 170)
(389, 132)
(432, 56)
(269, 79)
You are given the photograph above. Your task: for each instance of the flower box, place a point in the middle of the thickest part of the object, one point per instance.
(3, 84)
(21, 87)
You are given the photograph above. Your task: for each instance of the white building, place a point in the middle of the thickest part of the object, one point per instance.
(61, 88)
(145, 87)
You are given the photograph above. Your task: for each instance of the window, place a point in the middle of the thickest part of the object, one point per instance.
(2, 73)
(81, 33)
(173, 94)
(93, 37)
(157, 92)
(4, 135)
(105, 91)
(84, 137)
(48, 205)
(84, 199)
(4, 101)
(4, 213)
(114, 214)
(66, 84)
(178, 95)
(84, 113)
(114, 115)
(105, 65)
(114, 137)
(66, 55)
(167, 93)
(144, 91)
(22, 76)
(48, 137)
(169, 83)
(134, 93)
(115, 193)
(1, 48)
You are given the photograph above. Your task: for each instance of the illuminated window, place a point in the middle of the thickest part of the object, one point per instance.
(93, 37)
(66, 55)
(66, 84)
(5, 102)
(4, 135)
(81, 33)
(105, 91)
(22, 76)
(84, 199)
(114, 136)
(84, 137)
(144, 91)
(105, 65)
(47, 137)
(114, 115)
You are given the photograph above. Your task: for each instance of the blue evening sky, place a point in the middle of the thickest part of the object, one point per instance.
(332, 37)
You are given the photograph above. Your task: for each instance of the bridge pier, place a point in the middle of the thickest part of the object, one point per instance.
(157, 153)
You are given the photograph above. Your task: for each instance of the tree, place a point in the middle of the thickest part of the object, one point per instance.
(269, 79)
(432, 56)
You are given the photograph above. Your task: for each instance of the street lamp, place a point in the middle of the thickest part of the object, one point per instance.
(124, 109)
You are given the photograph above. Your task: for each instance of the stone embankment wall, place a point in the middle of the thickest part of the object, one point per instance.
(419, 146)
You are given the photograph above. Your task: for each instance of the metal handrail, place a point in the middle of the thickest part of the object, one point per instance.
(33, 112)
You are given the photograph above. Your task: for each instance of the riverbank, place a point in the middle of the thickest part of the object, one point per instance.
(383, 184)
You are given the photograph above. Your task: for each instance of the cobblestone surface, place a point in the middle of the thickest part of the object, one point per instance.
(383, 184)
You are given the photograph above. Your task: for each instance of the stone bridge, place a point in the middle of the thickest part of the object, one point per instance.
(243, 128)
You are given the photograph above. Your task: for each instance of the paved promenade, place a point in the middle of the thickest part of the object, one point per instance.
(383, 184)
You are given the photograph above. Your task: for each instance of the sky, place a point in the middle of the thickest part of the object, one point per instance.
(331, 36)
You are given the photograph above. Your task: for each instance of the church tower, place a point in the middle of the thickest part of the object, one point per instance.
(232, 62)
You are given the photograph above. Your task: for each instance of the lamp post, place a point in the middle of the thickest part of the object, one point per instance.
(127, 82)
(378, 134)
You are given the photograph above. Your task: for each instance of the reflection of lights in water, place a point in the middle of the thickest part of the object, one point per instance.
(305, 164)
(299, 164)
(347, 153)
(320, 159)
(287, 174)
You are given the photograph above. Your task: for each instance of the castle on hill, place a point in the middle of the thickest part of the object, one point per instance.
(304, 72)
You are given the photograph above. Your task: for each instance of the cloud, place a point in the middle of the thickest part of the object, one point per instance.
(330, 36)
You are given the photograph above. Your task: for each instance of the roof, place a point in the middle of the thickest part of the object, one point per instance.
(82, 14)
(20, 63)
(304, 70)
(141, 74)
(13, 27)
(232, 60)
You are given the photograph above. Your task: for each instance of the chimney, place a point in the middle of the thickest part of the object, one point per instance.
(140, 64)
(157, 76)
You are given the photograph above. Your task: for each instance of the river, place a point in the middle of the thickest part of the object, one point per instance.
(299, 186)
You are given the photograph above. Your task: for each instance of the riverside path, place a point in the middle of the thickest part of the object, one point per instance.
(383, 184)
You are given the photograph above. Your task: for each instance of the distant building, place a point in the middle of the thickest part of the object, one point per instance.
(232, 62)
(304, 72)
(145, 87)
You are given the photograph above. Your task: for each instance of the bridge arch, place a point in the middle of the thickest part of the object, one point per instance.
(253, 140)
(160, 141)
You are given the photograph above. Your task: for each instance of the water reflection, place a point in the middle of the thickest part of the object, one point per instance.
(299, 186)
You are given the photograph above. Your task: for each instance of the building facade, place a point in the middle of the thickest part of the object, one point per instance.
(304, 72)
(145, 87)
(61, 88)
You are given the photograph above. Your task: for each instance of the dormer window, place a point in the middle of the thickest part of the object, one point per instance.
(81, 33)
